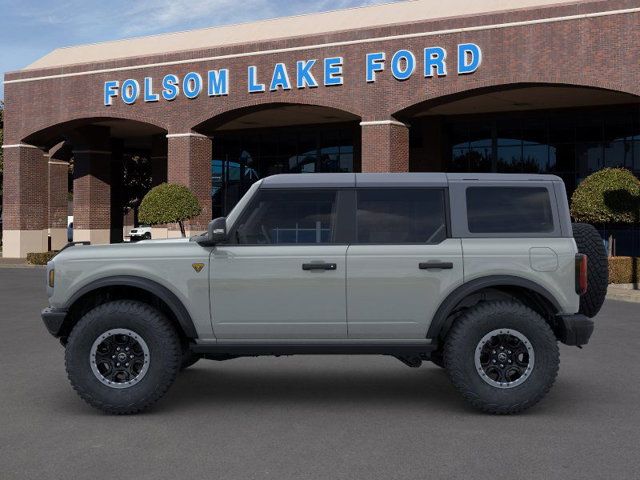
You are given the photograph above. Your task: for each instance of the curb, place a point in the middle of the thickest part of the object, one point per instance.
(624, 295)
(20, 265)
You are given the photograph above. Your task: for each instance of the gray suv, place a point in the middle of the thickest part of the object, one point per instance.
(481, 274)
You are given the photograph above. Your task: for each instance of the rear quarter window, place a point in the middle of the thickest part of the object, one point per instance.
(509, 210)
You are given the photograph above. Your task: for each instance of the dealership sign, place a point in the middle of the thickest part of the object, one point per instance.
(309, 73)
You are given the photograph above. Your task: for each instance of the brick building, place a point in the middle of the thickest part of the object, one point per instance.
(413, 86)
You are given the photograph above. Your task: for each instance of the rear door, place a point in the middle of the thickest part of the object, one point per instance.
(402, 263)
(284, 276)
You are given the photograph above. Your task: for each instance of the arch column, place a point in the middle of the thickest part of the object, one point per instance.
(92, 185)
(25, 207)
(189, 164)
(58, 190)
(385, 146)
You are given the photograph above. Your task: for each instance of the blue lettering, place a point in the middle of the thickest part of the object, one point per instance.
(218, 82)
(333, 71)
(192, 85)
(149, 96)
(170, 86)
(375, 63)
(435, 57)
(110, 92)
(469, 58)
(280, 78)
(254, 86)
(403, 64)
(304, 76)
(130, 91)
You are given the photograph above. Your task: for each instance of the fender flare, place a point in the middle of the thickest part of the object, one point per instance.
(154, 288)
(439, 321)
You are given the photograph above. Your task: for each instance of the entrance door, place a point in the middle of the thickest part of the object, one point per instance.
(402, 264)
(284, 275)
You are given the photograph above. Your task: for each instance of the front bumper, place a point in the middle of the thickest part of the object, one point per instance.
(574, 330)
(53, 319)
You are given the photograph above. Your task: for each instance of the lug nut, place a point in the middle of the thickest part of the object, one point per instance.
(126, 364)
(130, 356)
(117, 364)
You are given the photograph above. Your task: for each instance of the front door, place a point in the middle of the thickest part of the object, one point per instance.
(283, 275)
(402, 264)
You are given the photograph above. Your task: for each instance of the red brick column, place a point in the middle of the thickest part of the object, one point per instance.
(58, 191)
(189, 163)
(158, 160)
(25, 210)
(91, 184)
(92, 196)
(385, 146)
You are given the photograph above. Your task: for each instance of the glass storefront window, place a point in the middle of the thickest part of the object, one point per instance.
(242, 157)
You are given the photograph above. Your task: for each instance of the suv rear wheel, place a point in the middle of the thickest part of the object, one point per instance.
(123, 356)
(502, 356)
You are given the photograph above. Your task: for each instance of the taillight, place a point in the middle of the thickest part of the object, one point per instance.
(581, 274)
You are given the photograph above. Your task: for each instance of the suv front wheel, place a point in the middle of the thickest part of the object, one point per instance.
(502, 356)
(123, 356)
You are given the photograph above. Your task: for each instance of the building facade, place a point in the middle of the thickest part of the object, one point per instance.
(551, 87)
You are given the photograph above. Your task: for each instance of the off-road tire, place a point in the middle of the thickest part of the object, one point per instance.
(164, 352)
(465, 336)
(590, 243)
(437, 358)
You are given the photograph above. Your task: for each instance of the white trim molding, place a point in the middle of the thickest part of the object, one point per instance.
(190, 134)
(383, 122)
(20, 145)
(58, 162)
(332, 44)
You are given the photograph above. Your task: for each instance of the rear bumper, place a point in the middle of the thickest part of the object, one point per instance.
(53, 319)
(574, 330)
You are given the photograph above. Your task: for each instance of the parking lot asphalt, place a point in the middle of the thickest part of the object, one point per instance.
(315, 417)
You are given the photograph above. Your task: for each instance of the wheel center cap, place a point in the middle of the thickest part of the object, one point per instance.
(122, 357)
(502, 357)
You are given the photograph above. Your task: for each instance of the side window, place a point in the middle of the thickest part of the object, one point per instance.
(509, 210)
(393, 216)
(279, 217)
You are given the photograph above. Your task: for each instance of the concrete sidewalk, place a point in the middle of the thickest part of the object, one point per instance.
(626, 292)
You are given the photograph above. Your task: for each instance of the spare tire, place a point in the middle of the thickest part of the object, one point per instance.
(590, 243)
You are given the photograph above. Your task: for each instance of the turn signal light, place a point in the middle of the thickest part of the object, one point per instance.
(581, 274)
(52, 277)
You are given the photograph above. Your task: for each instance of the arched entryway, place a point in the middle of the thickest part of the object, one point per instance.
(564, 130)
(255, 142)
(92, 172)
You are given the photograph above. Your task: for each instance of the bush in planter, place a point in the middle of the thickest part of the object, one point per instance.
(611, 195)
(169, 203)
(40, 258)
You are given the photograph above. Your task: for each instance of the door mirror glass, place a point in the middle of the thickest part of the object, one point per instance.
(217, 231)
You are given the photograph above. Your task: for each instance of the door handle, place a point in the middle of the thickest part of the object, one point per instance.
(319, 266)
(436, 265)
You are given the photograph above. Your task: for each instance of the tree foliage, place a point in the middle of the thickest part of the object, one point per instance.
(169, 203)
(611, 195)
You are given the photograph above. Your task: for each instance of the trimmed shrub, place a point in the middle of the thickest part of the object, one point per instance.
(169, 203)
(611, 195)
(40, 258)
(624, 270)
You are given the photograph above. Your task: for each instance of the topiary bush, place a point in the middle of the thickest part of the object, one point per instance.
(611, 195)
(169, 203)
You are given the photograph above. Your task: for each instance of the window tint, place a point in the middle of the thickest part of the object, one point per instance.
(509, 210)
(401, 216)
(289, 217)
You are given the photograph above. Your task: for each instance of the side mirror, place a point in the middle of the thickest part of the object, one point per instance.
(217, 231)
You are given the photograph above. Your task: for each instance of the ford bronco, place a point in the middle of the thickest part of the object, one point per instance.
(482, 274)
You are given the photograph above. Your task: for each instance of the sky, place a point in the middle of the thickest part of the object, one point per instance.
(30, 29)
